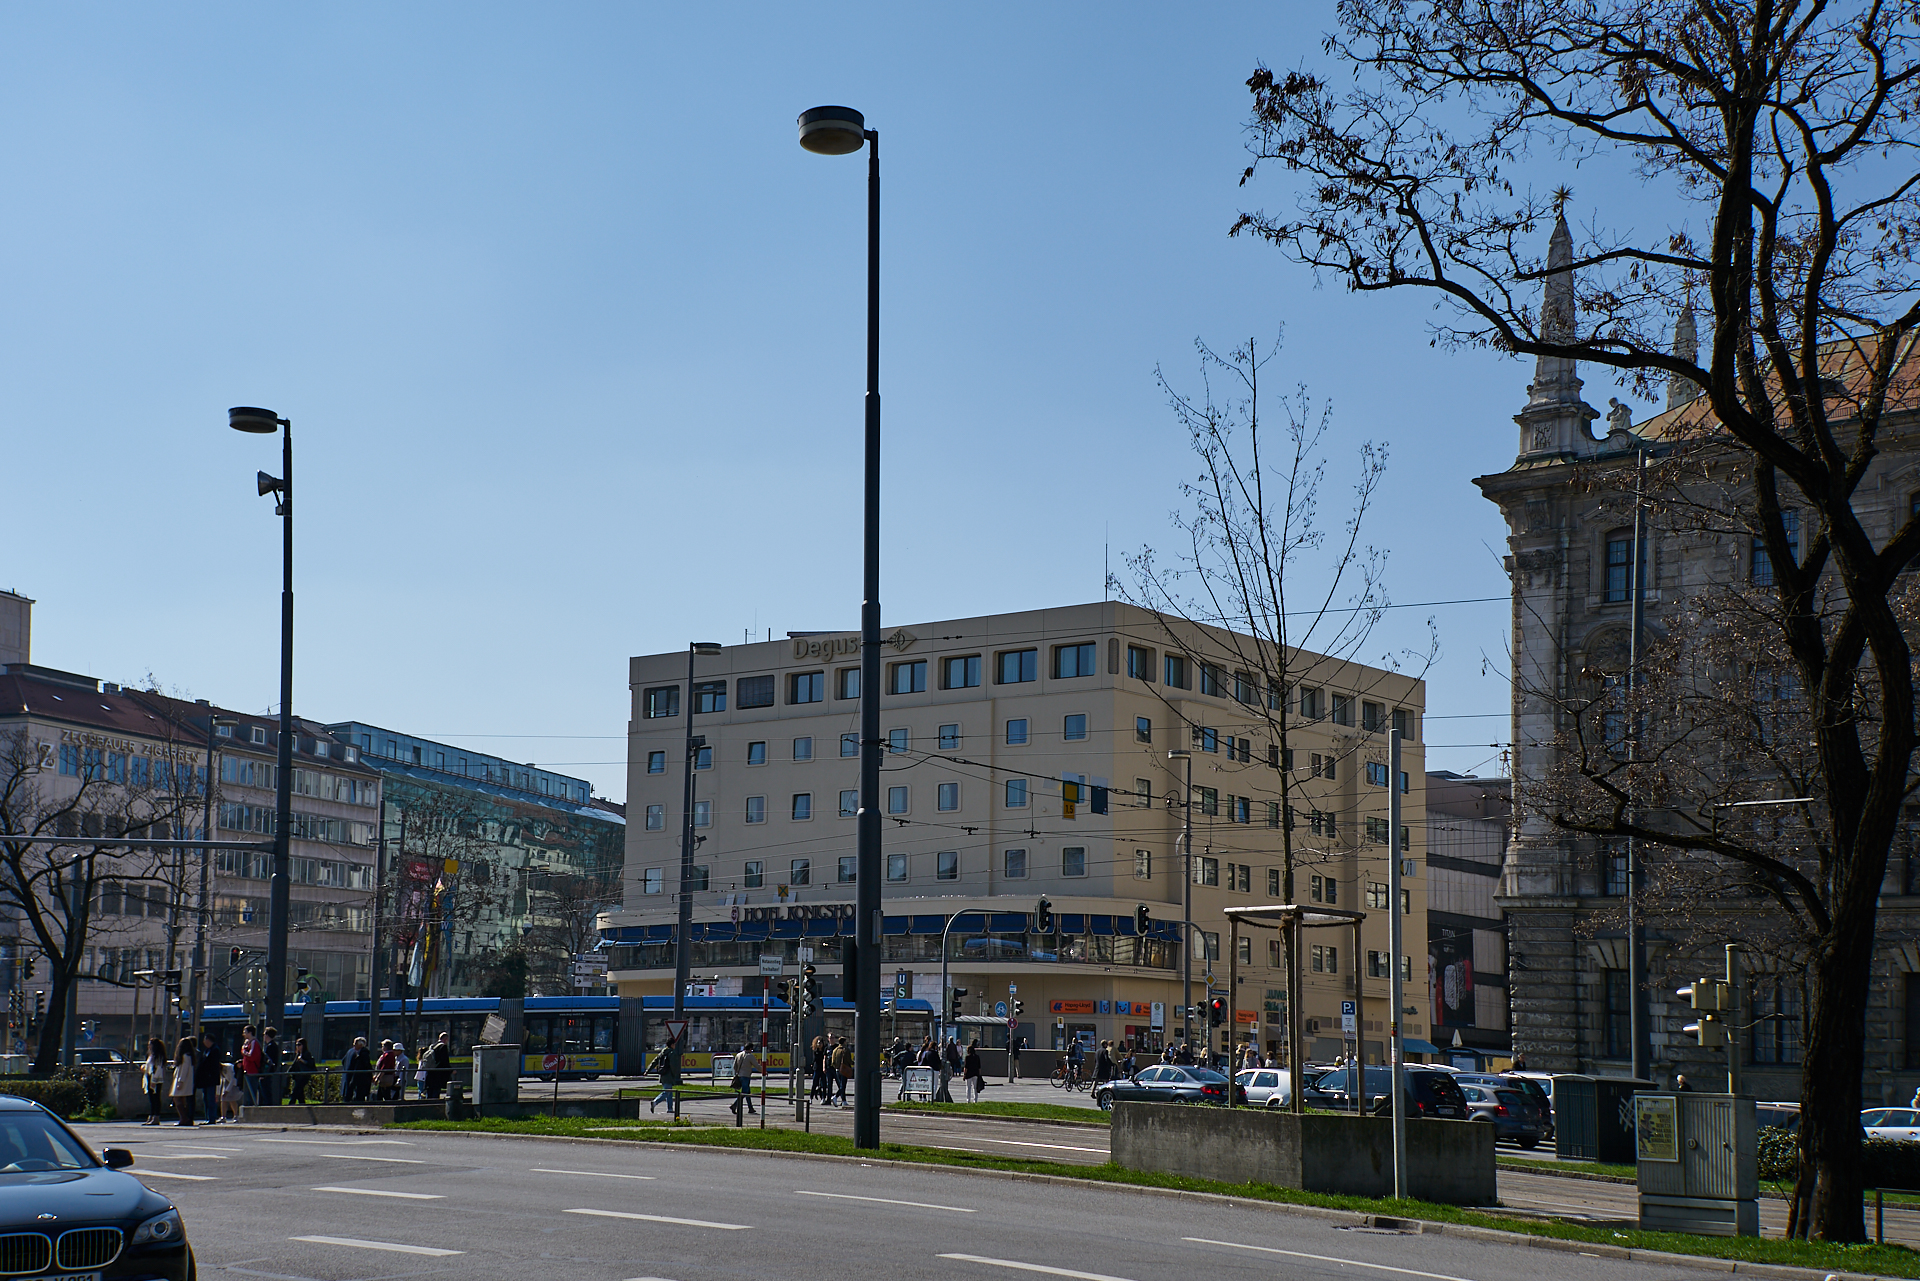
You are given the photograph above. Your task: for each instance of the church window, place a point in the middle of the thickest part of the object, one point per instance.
(1762, 563)
(1620, 565)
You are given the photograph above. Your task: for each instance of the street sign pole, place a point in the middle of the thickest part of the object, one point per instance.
(766, 994)
(1398, 1077)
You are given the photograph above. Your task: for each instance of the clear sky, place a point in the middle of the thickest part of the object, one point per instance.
(571, 334)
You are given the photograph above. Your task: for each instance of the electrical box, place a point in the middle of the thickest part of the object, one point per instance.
(1698, 1159)
(496, 1074)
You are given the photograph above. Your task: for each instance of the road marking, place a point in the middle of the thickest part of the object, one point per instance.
(343, 1143)
(203, 1147)
(390, 1160)
(598, 1174)
(883, 1200)
(662, 1218)
(1018, 1266)
(1022, 1143)
(195, 1156)
(405, 1196)
(1326, 1258)
(168, 1174)
(391, 1246)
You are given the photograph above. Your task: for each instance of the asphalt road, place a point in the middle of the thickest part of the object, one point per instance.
(306, 1206)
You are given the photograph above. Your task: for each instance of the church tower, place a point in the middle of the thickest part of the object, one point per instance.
(1554, 422)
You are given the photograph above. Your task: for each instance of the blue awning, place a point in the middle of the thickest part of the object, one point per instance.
(659, 934)
(929, 924)
(714, 931)
(822, 927)
(1099, 925)
(752, 931)
(789, 929)
(1073, 922)
(894, 925)
(1420, 1047)
(1008, 923)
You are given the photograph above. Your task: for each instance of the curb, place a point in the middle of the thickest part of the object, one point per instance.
(1350, 1218)
(991, 1116)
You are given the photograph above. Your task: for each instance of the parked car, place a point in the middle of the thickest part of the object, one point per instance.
(1890, 1123)
(1514, 1116)
(1166, 1083)
(1429, 1093)
(92, 1054)
(1781, 1116)
(65, 1210)
(1527, 1085)
(1266, 1087)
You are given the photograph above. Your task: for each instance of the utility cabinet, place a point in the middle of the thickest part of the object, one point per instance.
(1698, 1160)
(496, 1074)
(1593, 1117)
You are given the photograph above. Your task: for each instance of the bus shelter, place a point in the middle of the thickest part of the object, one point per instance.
(1290, 919)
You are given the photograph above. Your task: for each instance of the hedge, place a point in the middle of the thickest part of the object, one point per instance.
(1884, 1163)
(66, 1099)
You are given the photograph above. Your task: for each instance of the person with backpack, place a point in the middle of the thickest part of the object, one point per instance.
(386, 1074)
(438, 1061)
(253, 1062)
(206, 1075)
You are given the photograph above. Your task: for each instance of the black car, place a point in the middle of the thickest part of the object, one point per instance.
(74, 1215)
(1166, 1083)
(1430, 1091)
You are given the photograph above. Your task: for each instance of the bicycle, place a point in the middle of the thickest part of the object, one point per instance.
(1067, 1077)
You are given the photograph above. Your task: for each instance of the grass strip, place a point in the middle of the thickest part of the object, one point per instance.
(1032, 1111)
(1880, 1260)
(1627, 1172)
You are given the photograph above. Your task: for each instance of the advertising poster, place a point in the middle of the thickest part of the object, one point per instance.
(1450, 975)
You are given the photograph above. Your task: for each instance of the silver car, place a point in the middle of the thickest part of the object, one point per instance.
(1266, 1085)
(1891, 1123)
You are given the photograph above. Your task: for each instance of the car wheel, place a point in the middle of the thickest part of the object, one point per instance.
(1529, 1144)
(1105, 1101)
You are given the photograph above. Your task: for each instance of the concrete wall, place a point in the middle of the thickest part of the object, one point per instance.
(1449, 1161)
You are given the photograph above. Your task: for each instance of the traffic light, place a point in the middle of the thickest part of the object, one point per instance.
(1141, 921)
(1099, 805)
(1043, 917)
(1216, 1012)
(301, 983)
(849, 969)
(173, 983)
(233, 957)
(39, 1007)
(953, 999)
(27, 974)
(809, 990)
(1016, 1007)
(1713, 999)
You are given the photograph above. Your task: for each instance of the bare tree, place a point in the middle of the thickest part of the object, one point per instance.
(1788, 128)
(563, 908)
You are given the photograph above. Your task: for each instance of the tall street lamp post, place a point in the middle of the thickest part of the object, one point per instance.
(1186, 910)
(683, 936)
(265, 422)
(204, 908)
(841, 131)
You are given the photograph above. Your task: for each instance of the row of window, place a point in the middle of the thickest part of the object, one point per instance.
(306, 827)
(160, 774)
(1617, 582)
(946, 867)
(257, 865)
(1018, 733)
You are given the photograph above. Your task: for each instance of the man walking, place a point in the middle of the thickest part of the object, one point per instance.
(206, 1076)
(356, 1071)
(1014, 1047)
(842, 1070)
(746, 1065)
(272, 1059)
(439, 1064)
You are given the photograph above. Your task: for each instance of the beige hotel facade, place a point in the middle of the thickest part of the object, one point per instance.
(1027, 758)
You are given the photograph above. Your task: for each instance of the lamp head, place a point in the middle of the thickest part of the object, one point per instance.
(267, 484)
(833, 131)
(251, 418)
(1179, 754)
(706, 649)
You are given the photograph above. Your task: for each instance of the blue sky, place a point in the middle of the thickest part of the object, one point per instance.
(570, 331)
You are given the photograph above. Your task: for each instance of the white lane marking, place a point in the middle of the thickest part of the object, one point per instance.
(885, 1200)
(168, 1174)
(203, 1147)
(1018, 1266)
(1326, 1258)
(390, 1160)
(662, 1218)
(1022, 1143)
(392, 1246)
(598, 1174)
(195, 1156)
(405, 1196)
(343, 1143)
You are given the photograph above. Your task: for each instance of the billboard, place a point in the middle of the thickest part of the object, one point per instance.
(1450, 978)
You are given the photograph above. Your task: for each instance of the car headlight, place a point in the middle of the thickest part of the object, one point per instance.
(161, 1229)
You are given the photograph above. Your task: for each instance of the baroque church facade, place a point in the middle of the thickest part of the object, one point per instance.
(1564, 893)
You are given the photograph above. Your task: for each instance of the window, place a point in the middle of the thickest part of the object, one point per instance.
(1376, 774)
(1208, 739)
(1016, 793)
(1073, 660)
(849, 803)
(1321, 766)
(1209, 945)
(1403, 722)
(653, 880)
(656, 818)
(847, 869)
(1762, 564)
(1406, 902)
(655, 703)
(703, 813)
(897, 740)
(1778, 1029)
(1140, 661)
(1342, 710)
(1016, 666)
(1309, 704)
(807, 687)
(803, 805)
(960, 673)
(710, 696)
(1373, 717)
(1619, 582)
(949, 738)
(1240, 809)
(1377, 831)
(753, 691)
(1616, 1014)
(1245, 688)
(1142, 729)
(1206, 871)
(1318, 889)
(1377, 895)
(1616, 875)
(756, 809)
(1177, 677)
(1326, 960)
(1273, 815)
(947, 797)
(1074, 728)
(1073, 858)
(756, 753)
(226, 731)
(896, 867)
(907, 678)
(1273, 884)
(1143, 793)
(800, 871)
(1209, 802)
(703, 758)
(1246, 950)
(1013, 865)
(656, 762)
(896, 800)
(946, 865)
(1016, 732)
(698, 880)
(1240, 878)
(1210, 679)
(1143, 865)
(849, 745)
(846, 683)
(1377, 965)
(803, 748)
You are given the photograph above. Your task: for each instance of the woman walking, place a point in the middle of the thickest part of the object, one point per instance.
(157, 1077)
(184, 1061)
(386, 1074)
(231, 1091)
(303, 1069)
(971, 1071)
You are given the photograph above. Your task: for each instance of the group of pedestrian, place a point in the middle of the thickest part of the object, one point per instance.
(367, 1078)
(202, 1072)
(832, 1060)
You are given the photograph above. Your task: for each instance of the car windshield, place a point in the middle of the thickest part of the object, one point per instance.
(33, 1141)
(1205, 1075)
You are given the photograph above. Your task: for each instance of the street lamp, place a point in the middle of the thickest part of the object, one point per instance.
(264, 422)
(841, 131)
(682, 938)
(205, 906)
(1186, 911)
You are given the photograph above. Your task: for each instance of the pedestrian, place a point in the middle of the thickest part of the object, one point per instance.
(1916, 1100)
(1680, 1085)
(185, 1062)
(745, 1066)
(401, 1066)
(386, 1073)
(1014, 1047)
(252, 1059)
(949, 1063)
(970, 1070)
(1519, 1062)
(1103, 1064)
(272, 1062)
(356, 1071)
(439, 1065)
(302, 1069)
(819, 1050)
(232, 1093)
(667, 1064)
(157, 1076)
(206, 1076)
(842, 1071)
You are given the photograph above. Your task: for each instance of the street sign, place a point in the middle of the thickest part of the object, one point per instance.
(1346, 1017)
(772, 965)
(1159, 1016)
(1013, 989)
(552, 1063)
(806, 953)
(1000, 1009)
(736, 914)
(676, 1028)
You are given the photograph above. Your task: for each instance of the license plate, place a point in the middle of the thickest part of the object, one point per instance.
(66, 1276)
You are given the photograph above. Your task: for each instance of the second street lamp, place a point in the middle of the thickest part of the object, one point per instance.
(683, 935)
(264, 422)
(841, 131)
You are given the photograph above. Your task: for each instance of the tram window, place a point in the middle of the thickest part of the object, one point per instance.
(536, 1035)
(603, 1028)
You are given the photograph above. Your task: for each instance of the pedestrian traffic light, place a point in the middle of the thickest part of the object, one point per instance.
(1141, 921)
(953, 999)
(1216, 1012)
(233, 956)
(1043, 917)
(39, 1007)
(1712, 998)
(1017, 1007)
(27, 974)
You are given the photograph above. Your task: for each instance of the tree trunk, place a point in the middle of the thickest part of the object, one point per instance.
(1838, 981)
(53, 1029)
